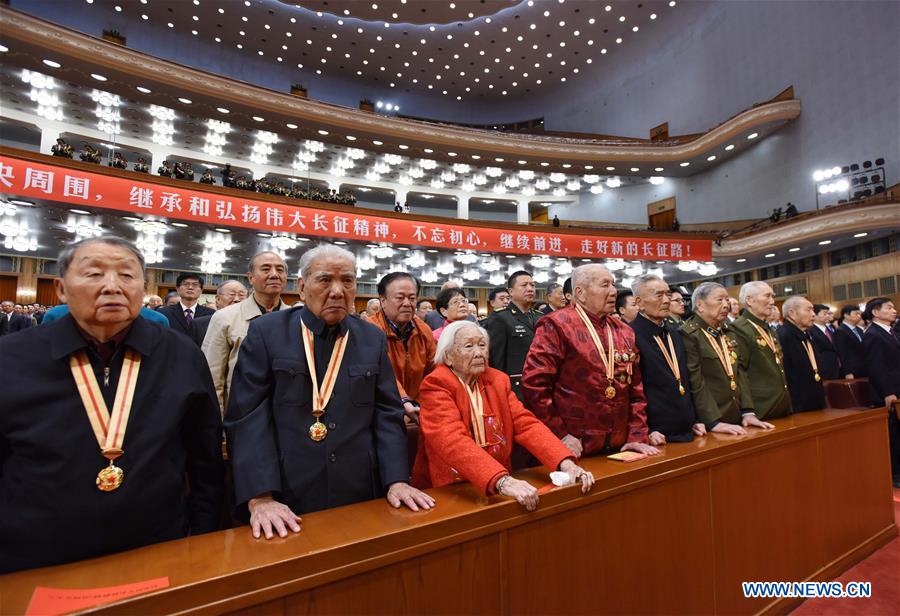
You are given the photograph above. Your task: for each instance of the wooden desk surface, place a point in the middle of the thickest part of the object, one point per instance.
(819, 482)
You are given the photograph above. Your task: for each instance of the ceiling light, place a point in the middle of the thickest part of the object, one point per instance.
(377, 142)
(223, 229)
(685, 164)
(180, 225)
(769, 255)
(794, 249)
(289, 125)
(52, 63)
(656, 180)
(84, 212)
(222, 110)
(3, 48)
(322, 132)
(729, 147)
(863, 234)
(824, 242)
(658, 169)
(752, 135)
(635, 169)
(186, 101)
(711, 158)
(258, 119)
(98, 77)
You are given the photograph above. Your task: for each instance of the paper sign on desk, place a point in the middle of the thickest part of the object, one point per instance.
(52, 601)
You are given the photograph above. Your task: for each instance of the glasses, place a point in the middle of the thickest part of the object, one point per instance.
(678, 300)
(190, 285)
(459, 303)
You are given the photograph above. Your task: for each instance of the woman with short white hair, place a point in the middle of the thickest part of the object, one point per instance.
(470, 418)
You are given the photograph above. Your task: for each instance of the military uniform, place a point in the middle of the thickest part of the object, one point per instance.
(714, 398)
(511, 332)
(764, 366)
(672, 323)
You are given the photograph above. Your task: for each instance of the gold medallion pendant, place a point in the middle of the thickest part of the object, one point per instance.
(318, 431)
(110, 478)
(681, 389)
(761, 343)
(817, 377)
(733, 385)
(610, 392)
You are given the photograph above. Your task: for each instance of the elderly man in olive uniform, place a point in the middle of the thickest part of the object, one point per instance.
(718, 383)
(512, 330)
(759, 352)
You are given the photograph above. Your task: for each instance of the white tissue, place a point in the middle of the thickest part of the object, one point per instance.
(561, 479)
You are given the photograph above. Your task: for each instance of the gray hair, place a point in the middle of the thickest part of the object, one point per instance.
(583, 272)
(448, 338)
(703, 291)
(325, 250)
(64, 260)
(750, 289)
(264, 252)
(792, 303)
(221, 289)
(642, 280)
(553, 286)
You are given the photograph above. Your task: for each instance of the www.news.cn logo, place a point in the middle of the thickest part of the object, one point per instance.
(806, 590)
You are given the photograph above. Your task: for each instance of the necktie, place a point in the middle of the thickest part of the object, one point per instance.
(856, 333)
(189, 315)
(828, 335)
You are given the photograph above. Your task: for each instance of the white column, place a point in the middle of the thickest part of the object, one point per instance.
(400, 196)
(522, 215)
(157, 156)
(50, 130)
(462, 207)
(334, 185)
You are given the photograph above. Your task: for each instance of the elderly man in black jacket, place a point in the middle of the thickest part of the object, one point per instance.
(72, 485)
(314, 417)
(801, 360)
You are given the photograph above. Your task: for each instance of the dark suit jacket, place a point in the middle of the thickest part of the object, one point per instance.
(806, 393)
(668, 411)
(882, 353)
(199, 327)
(826, 354)
(18, 322)
(49, 456)
(270, 411)
(4, 324)
(850, 350)
(177, 320)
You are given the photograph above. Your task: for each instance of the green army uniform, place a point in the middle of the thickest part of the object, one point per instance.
(672, 323)
(714, 399)
(511, 332)
(484, 322)
(763, 365)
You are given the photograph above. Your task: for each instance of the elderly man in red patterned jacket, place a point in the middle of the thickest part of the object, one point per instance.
(582, 375)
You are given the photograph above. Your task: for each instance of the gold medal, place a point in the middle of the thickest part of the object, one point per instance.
(610, 392)
(761, 343)
(817, 377)
(617, 356)
(733, 357)
(733, 385)
(609, 356)
(681, 389)
(318, 431)
(629, 379)
(110, 478)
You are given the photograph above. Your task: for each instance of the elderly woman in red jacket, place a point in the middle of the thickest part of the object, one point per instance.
(469, 420)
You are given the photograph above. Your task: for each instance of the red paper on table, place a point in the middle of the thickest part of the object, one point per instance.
(51, 601)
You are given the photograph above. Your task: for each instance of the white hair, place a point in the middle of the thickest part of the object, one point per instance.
(792, 303)
(750, 289)
(325, 250)
(583, 273)
(448, 338)
(703, 291)
(640, 281)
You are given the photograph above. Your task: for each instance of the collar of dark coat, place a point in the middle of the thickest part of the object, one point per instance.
(645, 325)
(142, 337)
(317, 325)
(793, 330)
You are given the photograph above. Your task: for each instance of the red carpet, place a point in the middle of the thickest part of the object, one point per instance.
(882, 569)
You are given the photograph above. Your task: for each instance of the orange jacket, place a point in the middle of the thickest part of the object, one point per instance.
(447, 451)
(413, 364)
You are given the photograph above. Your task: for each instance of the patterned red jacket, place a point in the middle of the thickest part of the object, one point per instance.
(564, 382)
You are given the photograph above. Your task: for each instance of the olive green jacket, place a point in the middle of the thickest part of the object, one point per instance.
(764, 367)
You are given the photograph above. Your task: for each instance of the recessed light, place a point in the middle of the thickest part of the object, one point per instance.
(377, 142)
(635, 169)
(289, 125)
(52, 63)
(322, 132)
(98, 77)
(351, 138)
(132, 218)
(740, 260)
(258, 119)
(222, 110)
(3, 48)
(863, 234)
(84, 212)
(451, 154)
(658, 169)
(476, 156)
(752, 135)
(403, 146)
(711, 158)
(610, 168)
(769, 255)
(824, 242)
(794, 249)
(428, 151)
(222, 229)
(685, 164)
(186, 101)
(510, 256)
(729, 147)
(22, 202)
(180, 225)
(339, 243)
(264, 234)
(432, 250)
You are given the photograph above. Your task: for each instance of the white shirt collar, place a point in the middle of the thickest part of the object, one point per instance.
(886, 328)
(821, 327)
(193, 308)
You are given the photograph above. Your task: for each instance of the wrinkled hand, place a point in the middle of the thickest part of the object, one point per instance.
(411, 411)
(699, 429)
(574, 445)
(657, 438)
(578, 474)
(727, 428)
(849, 376)
(267, 514)
(753, 420)
(889, 400)
(649, 450)
(524, 493)
(401, 493)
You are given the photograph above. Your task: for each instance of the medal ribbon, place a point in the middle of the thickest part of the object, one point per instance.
(476, 410)
(320, 397)
(812, 356)
(110, 431)
(608, 358)
(722, 352)
(765, 336)
(670, 356)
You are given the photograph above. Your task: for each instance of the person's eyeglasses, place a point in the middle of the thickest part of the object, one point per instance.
(678, 300)
(190, 285)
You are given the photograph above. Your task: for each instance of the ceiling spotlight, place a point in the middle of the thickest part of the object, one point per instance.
(794, 249)
(863, 234)
(289, 125)
(322, 132)
(752, 135)
(729, 147)
(186, 101)
(824, 242)
(52, 63)
(769, 255)
(685, 164)
(222, 110)
(711, 158)
(98, 77)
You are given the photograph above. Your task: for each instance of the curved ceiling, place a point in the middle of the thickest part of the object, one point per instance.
(403, 12)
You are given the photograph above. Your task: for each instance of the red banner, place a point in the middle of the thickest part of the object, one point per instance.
(29, 179)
